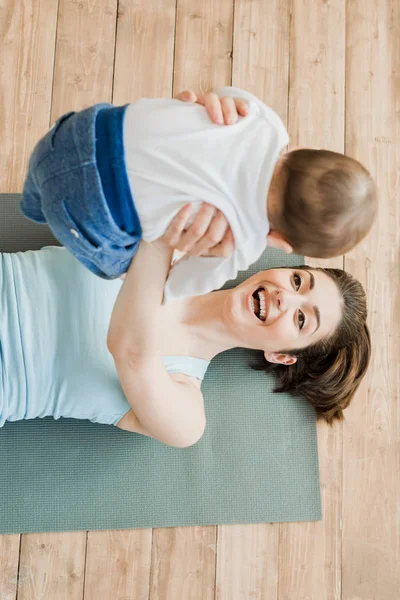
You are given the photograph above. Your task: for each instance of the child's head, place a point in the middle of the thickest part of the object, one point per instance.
(328, 202)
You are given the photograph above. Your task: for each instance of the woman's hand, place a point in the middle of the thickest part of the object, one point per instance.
(221, 111)
(208, 235)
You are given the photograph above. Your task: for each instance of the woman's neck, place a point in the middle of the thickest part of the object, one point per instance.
(200, 325)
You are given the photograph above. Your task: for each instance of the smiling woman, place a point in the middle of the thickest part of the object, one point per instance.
(296, 308)
(114, 353)
(328, 370)
(310, 325)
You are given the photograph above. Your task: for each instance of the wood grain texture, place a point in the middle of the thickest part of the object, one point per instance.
(118, 565)
(9, 560)
(310, 553)
(371, 479)
(84, 59)
(52, 566)
(203, 45)
(27, 35)
(247, 562)
(144, 50)
(261, 51)
(183, 563)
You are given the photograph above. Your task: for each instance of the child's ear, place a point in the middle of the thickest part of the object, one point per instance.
(279, 358)
(276, 240)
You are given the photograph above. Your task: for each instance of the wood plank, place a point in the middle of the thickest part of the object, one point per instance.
(51, 566)
(371, 482)
(27, 34)
(84, 60)
(144, 50)
(183, 563)
(247, 555)
(9, 560)
(203, 46)
(118, 565)
(310, 553)
(261, 51)
(247, 562)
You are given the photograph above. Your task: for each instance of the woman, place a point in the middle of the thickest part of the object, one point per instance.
(310, 325)
(62, 355)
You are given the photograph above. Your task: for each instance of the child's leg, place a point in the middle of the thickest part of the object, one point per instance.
(64, 189)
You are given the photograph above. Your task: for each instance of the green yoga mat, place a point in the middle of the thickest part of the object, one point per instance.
(257, 461)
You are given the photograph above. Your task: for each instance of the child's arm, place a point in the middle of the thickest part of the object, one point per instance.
(163, 407)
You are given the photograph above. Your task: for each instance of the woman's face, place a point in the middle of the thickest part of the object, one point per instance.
(284, 309)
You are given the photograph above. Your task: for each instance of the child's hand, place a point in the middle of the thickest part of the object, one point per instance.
(220, 110)
(208, 235)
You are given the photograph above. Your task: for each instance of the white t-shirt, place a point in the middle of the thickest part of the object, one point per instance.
(175, 155)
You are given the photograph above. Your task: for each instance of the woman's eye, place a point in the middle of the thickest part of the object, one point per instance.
(301, 319)
(297, 281)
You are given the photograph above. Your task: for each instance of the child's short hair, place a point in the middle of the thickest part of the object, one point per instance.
(329, 202)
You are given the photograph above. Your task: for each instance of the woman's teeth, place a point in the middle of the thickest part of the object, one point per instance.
(258, 304)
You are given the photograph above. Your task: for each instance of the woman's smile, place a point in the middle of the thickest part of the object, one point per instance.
(258, 303)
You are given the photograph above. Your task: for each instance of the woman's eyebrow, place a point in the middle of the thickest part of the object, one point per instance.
(318, 317)
(317, 313)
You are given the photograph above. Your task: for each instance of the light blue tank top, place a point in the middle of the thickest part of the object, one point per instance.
(54, 361)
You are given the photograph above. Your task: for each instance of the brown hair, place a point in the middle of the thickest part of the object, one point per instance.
(328, 205)
(328, 373)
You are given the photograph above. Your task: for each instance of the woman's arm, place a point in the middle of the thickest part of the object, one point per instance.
(164, 407)
(133, 324)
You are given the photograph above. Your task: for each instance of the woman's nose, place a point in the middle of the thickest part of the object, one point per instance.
(285, 300)
(280, 301)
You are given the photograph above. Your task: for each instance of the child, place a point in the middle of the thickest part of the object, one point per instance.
(105, 177)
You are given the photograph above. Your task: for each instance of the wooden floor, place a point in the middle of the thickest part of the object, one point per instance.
(330, 68)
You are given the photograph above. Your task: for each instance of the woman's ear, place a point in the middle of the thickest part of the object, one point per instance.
(279, 358)
(276, 240)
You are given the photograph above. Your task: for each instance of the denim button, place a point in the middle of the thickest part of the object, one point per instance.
(75, 233)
